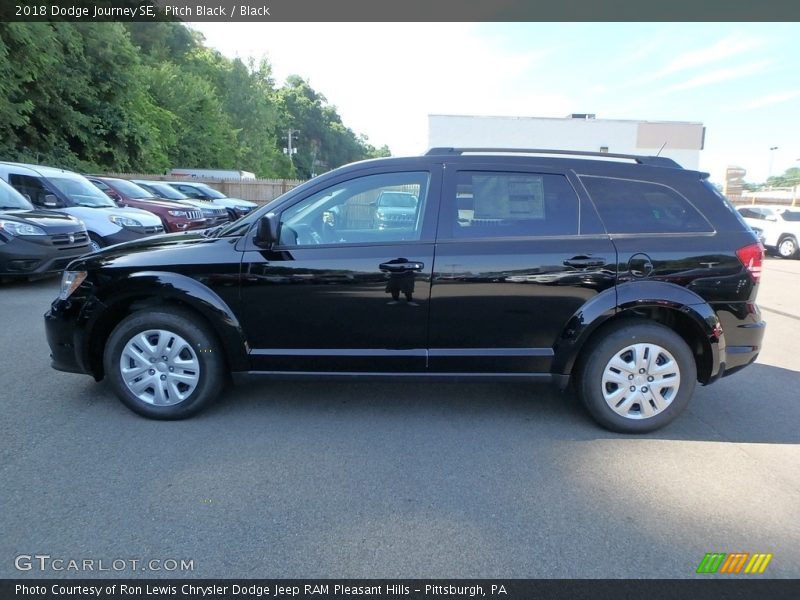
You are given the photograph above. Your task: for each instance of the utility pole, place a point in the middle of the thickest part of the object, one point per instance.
(289, 138)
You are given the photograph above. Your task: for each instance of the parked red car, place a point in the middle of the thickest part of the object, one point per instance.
(174, 215)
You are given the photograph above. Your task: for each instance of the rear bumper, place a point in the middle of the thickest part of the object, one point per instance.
(744, 335)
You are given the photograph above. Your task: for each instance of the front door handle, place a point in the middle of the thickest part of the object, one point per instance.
(583, 262)
(400, 267)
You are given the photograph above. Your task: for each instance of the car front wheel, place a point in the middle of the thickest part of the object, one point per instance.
(637, 377)
(164, 364)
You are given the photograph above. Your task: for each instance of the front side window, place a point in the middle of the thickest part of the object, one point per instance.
(791, 215)
(628, 206)
(384, 208)
(490, 205)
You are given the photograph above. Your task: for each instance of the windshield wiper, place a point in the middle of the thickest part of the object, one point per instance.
(211, 231)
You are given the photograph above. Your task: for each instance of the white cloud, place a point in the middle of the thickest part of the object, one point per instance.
(770, 100)
(718, 76)
(721, 50)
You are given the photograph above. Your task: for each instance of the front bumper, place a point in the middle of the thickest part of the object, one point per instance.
(128, 234)
(21, 257)
(64, 337)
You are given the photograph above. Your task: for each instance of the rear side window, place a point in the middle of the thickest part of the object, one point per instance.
(628, 206)
(492, 205)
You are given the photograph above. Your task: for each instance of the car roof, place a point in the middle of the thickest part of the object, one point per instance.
(41, 170)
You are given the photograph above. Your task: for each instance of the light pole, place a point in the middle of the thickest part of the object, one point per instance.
(771, 156)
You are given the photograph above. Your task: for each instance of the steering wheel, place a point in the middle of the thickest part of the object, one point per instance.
(307, 235)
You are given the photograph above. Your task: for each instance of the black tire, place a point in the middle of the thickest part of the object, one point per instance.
(787, 247)
(205, 350)
(611, 342)
(95, 239)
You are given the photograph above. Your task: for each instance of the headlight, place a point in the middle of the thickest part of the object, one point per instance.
(178, 213)
(70, 280)
(379, 214)
(17, 228)
(124, 221)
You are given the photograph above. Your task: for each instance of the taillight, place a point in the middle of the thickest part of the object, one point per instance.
(751, 257)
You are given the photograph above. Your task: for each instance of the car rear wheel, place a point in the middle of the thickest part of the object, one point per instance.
(164, 364)
(787, 247)
(637, 377)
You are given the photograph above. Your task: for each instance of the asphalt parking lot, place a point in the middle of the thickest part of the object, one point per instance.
(321, 479)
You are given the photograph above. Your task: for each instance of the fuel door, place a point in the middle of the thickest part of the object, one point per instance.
(640, 265)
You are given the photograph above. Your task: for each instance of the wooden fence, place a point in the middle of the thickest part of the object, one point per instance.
(260, 191)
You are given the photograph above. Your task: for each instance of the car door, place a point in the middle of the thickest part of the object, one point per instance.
(341, 292)
(519, 251)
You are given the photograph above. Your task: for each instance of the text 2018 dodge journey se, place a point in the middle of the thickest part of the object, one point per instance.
(633, 278)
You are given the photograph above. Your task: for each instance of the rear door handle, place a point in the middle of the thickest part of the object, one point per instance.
(583, 262)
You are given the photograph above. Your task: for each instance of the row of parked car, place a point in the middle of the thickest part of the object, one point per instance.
(49, 216)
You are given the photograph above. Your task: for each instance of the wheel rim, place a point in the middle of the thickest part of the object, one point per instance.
(787, 247)
(159, 367)
(94, 246)
(641, 381)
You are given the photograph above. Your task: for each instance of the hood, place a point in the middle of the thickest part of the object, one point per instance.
(86, 213)
(234, 202)
(154, 252)
(206, 204)
(49, 220)
(160, 203)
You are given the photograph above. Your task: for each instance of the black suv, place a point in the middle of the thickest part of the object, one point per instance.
(628, 276)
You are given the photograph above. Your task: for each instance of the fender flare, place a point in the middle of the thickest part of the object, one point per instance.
(174, 287)
(640, 294)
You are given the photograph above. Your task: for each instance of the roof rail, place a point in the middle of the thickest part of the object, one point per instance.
(654, 161)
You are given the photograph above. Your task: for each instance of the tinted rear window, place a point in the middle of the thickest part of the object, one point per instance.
(628, 206)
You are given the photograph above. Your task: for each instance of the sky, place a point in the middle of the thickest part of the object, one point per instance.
(741, 80)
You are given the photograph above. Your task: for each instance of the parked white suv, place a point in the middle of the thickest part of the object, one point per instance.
(65, 191)
(780, 227)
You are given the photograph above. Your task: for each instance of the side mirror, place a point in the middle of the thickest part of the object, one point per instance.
(51, 201)
(267, 230)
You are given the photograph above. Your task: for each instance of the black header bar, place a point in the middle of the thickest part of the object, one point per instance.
(399, 10)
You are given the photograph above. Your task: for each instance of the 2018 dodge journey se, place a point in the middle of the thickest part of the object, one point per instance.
(632, 278)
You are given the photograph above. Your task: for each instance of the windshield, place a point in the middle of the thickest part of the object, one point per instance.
(11, 198)
(130, 189)
(397, 200)
(81, 192)
(162, 190)
(208, 190)
(791, 215)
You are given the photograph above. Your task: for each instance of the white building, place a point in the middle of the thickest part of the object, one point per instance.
(681, 141)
